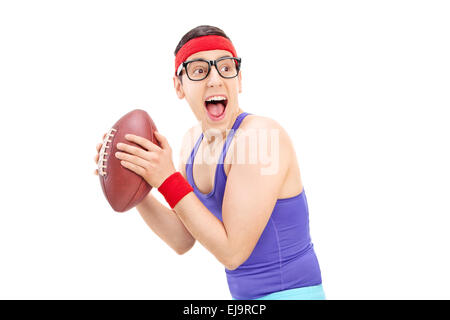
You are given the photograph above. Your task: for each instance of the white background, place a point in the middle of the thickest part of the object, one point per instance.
(362, 87)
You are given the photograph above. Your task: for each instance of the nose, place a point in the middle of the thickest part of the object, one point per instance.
(214, 79)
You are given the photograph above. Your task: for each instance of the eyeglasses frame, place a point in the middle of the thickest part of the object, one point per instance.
(210, 64)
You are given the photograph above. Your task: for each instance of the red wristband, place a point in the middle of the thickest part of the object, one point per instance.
(174, 188)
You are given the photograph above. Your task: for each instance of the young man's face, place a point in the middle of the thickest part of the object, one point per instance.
(197, 92)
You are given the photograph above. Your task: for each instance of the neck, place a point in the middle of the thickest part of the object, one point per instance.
(212, 135)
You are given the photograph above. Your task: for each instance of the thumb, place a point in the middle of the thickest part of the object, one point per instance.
(162, 140)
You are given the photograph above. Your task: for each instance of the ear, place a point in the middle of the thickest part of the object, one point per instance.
(240, 81)
(178, 87)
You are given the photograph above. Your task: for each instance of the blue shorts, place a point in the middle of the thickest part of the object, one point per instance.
(305, 293)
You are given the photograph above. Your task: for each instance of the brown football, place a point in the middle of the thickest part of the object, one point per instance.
(123, 188)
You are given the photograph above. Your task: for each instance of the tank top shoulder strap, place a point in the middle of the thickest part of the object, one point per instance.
(230, 135)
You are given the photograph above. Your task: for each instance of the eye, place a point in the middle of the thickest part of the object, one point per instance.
(227, 67)
(199, 70)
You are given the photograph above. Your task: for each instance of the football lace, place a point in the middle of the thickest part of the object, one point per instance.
(102, 155)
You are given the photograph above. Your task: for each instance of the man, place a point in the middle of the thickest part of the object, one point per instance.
(250, 213)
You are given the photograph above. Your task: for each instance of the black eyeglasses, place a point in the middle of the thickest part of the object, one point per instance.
(199, 69)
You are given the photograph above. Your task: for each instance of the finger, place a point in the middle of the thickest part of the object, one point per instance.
(131, 158)
(96, 172)
(162, 140)
(96, 158)
(139, 152)
(145, 143)
(135, 168)
(98, 147)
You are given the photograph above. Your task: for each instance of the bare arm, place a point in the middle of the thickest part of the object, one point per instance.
(165, 223)
(248, 202)
(250, 194)
(162, 220)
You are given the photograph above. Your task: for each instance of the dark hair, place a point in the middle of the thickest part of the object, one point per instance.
(200, 31)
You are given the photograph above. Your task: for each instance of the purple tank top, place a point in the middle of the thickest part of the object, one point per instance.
(283, 257)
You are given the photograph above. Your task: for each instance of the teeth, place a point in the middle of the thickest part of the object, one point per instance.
(217, 98)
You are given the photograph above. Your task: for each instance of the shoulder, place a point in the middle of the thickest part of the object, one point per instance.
(264, 128)
(187, 144)
(264, 142)
(190, 138)
(260, 122)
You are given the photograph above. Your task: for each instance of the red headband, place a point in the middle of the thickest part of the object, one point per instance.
(204, 43)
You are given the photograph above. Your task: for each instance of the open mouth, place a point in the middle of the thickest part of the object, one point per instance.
(215, 106)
